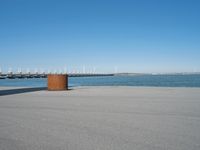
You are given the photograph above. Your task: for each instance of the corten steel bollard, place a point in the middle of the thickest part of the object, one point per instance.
(57, 82)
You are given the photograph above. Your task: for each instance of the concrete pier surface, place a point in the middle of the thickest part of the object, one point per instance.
(100, 118)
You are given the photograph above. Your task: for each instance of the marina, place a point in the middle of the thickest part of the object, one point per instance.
(44, 75)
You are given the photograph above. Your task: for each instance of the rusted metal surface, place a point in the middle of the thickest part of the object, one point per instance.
(57, 82)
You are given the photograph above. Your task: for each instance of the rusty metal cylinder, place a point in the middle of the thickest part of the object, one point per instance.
(57, 82)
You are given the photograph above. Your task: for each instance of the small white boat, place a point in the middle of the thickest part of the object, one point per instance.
(2, 77)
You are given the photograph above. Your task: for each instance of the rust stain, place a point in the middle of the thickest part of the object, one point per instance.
(57, 82)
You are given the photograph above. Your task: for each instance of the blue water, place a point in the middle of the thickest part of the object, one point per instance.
(144, 80)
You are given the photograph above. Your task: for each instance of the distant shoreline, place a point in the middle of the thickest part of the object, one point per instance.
(136, 74)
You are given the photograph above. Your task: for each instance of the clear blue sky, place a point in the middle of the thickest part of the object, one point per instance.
(132, 35)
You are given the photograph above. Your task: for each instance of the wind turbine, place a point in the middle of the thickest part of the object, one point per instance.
(83, 69)
(116, 70)
(65, 70)
(94, 70)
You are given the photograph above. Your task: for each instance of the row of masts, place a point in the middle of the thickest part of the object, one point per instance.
(49, 71)
(52, 71)
(28, 76)
(19, 74)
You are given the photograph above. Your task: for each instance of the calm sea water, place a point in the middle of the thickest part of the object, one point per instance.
(144, 80)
